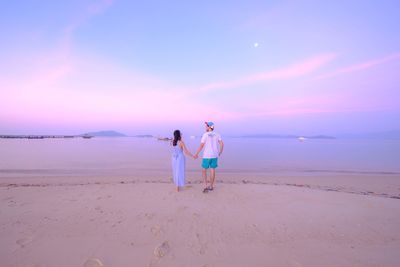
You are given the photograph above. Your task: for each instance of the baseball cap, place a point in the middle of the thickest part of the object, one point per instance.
(209, 124)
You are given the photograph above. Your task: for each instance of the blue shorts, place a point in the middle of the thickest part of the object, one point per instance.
(210, 163)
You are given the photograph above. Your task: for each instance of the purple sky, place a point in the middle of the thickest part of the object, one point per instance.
(305, 67)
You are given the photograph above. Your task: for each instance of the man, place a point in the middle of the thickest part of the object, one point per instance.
(213, 147)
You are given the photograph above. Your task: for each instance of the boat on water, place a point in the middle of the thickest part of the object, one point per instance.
(87, 136)
(301, 139)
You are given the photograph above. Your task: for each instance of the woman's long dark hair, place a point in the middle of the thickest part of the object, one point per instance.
(177, 137)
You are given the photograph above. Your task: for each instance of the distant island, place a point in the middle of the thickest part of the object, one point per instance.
(143, 136)
(108, 133)
(37, 136)
(85, 135)
(287, 136)
(392, 134)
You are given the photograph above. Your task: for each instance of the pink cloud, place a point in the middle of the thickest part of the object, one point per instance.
(360, 66)
(324, 102)
(63, 86)
(293, 71)
(295, 105)
(305, 111)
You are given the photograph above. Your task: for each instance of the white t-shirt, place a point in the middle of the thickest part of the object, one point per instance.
(210, 141)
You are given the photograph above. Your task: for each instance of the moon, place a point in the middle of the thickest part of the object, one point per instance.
(256, 45)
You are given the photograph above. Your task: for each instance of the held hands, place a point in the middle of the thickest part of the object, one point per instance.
(196, 156)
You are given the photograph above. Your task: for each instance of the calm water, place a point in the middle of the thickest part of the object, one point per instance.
(146, 157)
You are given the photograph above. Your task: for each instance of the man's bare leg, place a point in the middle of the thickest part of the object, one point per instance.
(212, 174)
(204, 172)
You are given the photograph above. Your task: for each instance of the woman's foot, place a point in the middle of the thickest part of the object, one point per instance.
(177, 189)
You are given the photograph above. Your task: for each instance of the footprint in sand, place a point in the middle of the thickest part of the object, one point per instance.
(94, 262)
(103, 197)
(99, 209)
(202, 245)
(162, 250)
(156, 230)
(182, 208)
(24, 241)
(12, 203)
(149, 215)
(293, 263)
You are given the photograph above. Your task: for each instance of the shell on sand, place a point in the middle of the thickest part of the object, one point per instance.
(162, 250)
(93, 263)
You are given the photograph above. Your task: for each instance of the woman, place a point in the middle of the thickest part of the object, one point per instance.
(178, 159)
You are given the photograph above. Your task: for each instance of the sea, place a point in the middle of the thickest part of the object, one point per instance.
(243, 158)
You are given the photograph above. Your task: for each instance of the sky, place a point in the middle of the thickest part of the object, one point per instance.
(139, 67)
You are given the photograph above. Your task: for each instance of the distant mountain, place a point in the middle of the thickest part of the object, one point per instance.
(290, 136)
(268, 136)
(105, 134)
(392, 134)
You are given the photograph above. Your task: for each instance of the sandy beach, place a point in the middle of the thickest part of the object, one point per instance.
(149, 224)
